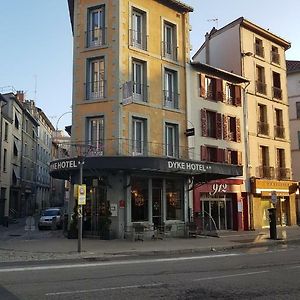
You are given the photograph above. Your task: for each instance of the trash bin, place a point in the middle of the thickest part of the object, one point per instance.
(272, 221)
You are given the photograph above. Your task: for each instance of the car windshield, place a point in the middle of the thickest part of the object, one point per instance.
(51, 212)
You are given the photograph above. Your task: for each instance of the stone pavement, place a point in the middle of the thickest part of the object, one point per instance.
(16, 244)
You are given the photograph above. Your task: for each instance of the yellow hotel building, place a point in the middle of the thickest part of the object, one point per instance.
(129, 117)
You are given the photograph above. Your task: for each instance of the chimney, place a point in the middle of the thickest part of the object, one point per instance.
(20, 96)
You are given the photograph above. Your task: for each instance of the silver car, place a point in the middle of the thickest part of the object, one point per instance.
(51, 218)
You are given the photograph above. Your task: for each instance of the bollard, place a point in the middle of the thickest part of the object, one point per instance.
(272, 220)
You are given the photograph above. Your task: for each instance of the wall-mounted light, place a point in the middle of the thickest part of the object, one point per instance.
(247, 54)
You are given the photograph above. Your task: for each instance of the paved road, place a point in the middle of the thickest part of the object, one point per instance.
(259, 273)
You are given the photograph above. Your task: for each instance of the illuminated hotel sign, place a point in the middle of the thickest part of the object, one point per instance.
(64, 165)
(188, 166)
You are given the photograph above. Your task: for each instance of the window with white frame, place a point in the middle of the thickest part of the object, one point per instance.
(139, 80)
(171, 140)
(139, 136)
(169, 42)
(171, 90)
(96, 79)
(96, 135)
(138, 31)
(96, 26)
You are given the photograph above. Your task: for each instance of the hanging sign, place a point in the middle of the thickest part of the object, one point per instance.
(81, 194)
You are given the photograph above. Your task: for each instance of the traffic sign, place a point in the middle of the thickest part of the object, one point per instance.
(81, 194)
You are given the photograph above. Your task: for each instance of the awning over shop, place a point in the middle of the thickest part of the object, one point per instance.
(199, 171)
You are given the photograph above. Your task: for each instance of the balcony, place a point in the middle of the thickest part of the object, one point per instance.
(277, 93)
(140, 92)
(283, 174)
(265, 172)
(96, 37)
(263, 128)
(95, 90)
(138, 40)
(261, 87)
(259, 50)
(123, 147)
(171, 99)
(279, 132)
(275, 57)
(169, 51)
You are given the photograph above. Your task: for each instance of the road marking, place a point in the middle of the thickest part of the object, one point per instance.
(105, 289)
(232, 275)
(112, 263)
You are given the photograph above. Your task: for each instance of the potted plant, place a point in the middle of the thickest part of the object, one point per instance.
(104, 221)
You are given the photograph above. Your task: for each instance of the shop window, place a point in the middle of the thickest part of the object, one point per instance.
(174, 200)
(139, 199)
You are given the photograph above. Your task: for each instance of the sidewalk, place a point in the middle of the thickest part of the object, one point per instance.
(18, 245)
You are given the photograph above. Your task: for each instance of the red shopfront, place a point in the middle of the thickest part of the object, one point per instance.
(221, 205)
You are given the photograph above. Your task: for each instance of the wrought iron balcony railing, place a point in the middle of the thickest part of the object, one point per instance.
(261, 87)
(140, 91)
(259, 50)
(138, 39)
(277, 93)
(279, 132)
(283, 173)
(169, 51)
(265, 172)
(171, 99)
(275, 57)
(263, 128)
(96, 37)
(95, 90)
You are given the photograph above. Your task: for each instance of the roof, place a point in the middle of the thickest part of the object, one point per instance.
(241, 21)
(293, 66)
(232, 77)
(175, 4)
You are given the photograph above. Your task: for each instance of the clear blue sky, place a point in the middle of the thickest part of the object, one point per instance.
(36, 42)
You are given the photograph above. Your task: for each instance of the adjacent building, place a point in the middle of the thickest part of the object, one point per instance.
(293, 79)
(257, 54)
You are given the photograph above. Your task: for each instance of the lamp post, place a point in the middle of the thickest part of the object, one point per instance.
(81, 163)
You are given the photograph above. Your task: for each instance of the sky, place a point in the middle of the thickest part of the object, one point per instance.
(36, 43)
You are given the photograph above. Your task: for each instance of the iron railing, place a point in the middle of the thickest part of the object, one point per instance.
(275, 57)
(279, 132)
(261, 87)
(171, 99)
(140, 92)
(265, 172)
(259, 50)
(277, 93)
(170, 51)
(262, 128)
(283, 173)
(138, 39)
(95, 90)
(95, 37)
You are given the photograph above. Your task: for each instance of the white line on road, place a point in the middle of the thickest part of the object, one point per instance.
(105, 289)
(112, 263)
(231, 275)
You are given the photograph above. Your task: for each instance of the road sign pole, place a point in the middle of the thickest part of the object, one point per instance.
(80, 208)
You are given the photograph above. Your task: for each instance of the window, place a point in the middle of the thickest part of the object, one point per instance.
(96, 27)
(263, 126)
(139, 136)
(96, 136)
(5, 160)
(265, 171)
(174, 199)
(210, 87)
(169, 42)
(298, 110)
(233, 157)
(5, 131)
(139, 80)
(261, 87)
(233, 94)
(279, 128)
(138, 31)
(171, 90)
(171, 140)
(139, 199)
(259, 49)
(96, 79)
(275, 58)
(211, 124)
(17, 123)
(282, 172)
(232, 128)
(277, 92)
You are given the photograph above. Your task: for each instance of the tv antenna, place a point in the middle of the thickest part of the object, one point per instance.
(216, 20)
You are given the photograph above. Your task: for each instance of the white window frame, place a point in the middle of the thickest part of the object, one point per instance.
(138, 32)
(171, 138)
(138, 80)
(96, 79)
(170, 91)
(96, 26)
(96, 129)
(138, 136)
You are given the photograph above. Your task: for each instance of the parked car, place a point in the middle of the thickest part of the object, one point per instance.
(51, 217)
